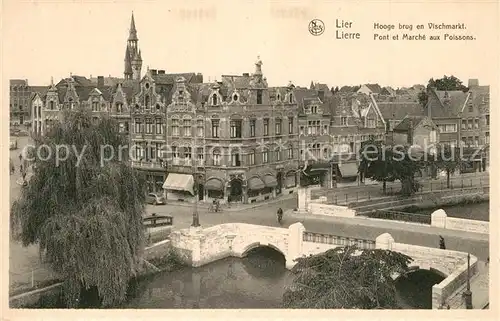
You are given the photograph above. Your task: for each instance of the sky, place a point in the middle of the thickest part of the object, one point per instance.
(44, 39)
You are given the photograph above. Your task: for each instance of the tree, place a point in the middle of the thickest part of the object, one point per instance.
(446, 83)
(346, 278)
(86, 218)
(389, 163)
(446, 159)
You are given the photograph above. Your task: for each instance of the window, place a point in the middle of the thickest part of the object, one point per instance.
(216, 158)
(476, 123)
(464, 124)
(277, 126)
(315, 150)
(214, 99)
(314, 127)
(448, 128)
(265, 156)
(153, 152)
(259, 96)
(471, 108)
(175, 152)
(290, 153)
(235, 127)
(464, 141)
(159, 127)
(278, 155)
(200, 155)
(199, 128)
(186, 123)
(235, 159)
(370, 123)
(215, 128)
(266, 127)
(137, 124)
(157, 107)
(139, 152)
(343, 121)
(187, 152)
(314, 109)
(51, 105)
(476, 141)
(119, 107)
(235, 97)
(146, 101)
(290, 98)
(251, 158)
(252, 127)
(301, 130)
(325, 130)
(487, 120)
(469, 123)
(149, 126)
(158, 148)
(175, 127)
(487, 137)
(290, 125)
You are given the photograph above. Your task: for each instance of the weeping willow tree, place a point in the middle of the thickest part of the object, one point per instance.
(85, 217)
(346, 278)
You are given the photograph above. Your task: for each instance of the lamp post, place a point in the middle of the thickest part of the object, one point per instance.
(196, 217)
(468, 294)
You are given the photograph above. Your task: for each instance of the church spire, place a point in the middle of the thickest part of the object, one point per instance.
(132, 32)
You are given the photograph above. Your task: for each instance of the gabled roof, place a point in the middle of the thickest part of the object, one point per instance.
(374, 88)
(450, 103)
(409, 122)
(169, 79)
(399, 110)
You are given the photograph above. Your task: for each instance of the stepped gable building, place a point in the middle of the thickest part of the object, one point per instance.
(149, 136)
(241, 134)
(79, 92)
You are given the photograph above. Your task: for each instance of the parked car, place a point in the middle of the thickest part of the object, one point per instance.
(13, 144)
(155, 199)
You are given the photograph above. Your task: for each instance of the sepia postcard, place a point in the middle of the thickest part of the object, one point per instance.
(260, 159)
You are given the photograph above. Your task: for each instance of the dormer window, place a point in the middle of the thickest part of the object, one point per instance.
(235, 97)
(157, 107)
(51, 104)
(146, 101)
(314, 109)
(147, 86)
(137, 107)
(278, 97)
(214, 99)
(290, 98)
(181, 92)
(259, 96)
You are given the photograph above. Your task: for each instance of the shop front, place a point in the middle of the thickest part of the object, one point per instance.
(179, 187)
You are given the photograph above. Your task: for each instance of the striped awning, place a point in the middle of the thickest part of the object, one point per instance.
(214, 184)
(179, 182)
(270, 181)
(348, 169)
(255, 184)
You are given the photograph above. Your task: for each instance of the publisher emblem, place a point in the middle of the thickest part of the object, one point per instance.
(316, 27)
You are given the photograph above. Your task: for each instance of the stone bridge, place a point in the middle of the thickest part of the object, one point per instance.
(202, 246)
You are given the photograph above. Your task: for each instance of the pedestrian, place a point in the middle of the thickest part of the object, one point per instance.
(442, 245)
(21, 169)
(20, 157)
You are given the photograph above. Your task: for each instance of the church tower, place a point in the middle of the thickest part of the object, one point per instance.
(133, 59)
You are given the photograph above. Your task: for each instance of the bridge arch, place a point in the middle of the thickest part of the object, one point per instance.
(415, 268)
(245, 250)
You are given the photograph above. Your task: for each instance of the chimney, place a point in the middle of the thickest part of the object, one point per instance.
(161, 72)
(100, 81)
(473, 83)
(154, 72)
(246, 74)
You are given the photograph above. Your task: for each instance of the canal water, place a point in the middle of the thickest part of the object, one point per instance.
(255, 282)
(474, 211)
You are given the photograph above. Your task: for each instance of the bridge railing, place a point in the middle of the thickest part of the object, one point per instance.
(400, 216)
(338, 240)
